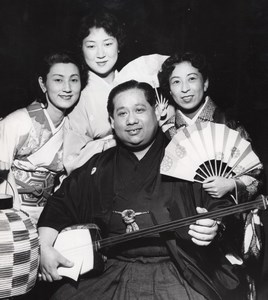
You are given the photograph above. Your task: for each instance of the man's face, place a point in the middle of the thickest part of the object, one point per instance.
(134, 119)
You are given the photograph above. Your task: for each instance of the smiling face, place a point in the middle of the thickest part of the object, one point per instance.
(134, 120)
(62, 85)
(100, 51)
(187, 87)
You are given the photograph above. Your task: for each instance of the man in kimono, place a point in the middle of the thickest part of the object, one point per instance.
(121, 190)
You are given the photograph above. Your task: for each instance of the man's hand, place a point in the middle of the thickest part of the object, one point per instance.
(204, 230)
(50, 260)
(217, 186)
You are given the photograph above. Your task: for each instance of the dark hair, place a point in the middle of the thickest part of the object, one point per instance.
(197, 60)
(100, 18)
(58, 57)
(128, 85)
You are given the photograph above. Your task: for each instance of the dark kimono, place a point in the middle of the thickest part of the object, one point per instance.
(116, 180)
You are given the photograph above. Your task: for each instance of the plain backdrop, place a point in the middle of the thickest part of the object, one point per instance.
(232, 33)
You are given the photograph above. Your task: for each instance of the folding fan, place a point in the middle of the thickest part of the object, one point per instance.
(208, 149)
(144, 68)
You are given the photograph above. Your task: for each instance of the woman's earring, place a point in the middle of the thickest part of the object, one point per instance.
(42, 85)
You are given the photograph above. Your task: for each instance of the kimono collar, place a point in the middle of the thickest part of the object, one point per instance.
(178, 121)
(133, 175)
(38, 113)
(97, 78)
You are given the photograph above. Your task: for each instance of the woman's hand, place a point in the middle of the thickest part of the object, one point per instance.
(203, 231)
(50, 260)
(217, 186)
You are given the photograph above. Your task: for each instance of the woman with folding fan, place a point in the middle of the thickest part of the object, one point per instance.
(185, 77)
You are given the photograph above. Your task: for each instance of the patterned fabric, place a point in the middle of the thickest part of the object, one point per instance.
(19, 253)
(40, 136)
(34, 187)
(252, 241)
(32, 145)
(177, 121)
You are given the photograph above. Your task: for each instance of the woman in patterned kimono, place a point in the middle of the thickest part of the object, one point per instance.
(184, 77)
(31, 138)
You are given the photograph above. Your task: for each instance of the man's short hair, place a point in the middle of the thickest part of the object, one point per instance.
(147, 89)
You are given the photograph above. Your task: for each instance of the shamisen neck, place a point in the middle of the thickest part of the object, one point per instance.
(260, 202)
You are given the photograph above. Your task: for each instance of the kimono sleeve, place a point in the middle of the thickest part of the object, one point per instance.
(80, 142)
(13, 129)
(212, 204)
(77, 133)
(249, 185)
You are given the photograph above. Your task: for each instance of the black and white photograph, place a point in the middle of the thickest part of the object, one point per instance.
(133, 150)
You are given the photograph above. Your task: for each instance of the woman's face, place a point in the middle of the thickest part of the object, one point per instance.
(187, 86)
(100, 52)
(62, 85)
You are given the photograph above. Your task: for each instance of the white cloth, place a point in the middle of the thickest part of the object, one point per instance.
(23, 137)
(88, 129)
(13, 129)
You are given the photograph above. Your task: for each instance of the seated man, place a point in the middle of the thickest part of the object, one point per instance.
(183, 264)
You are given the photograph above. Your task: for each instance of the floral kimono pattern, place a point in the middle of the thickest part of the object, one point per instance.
(33, 147)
